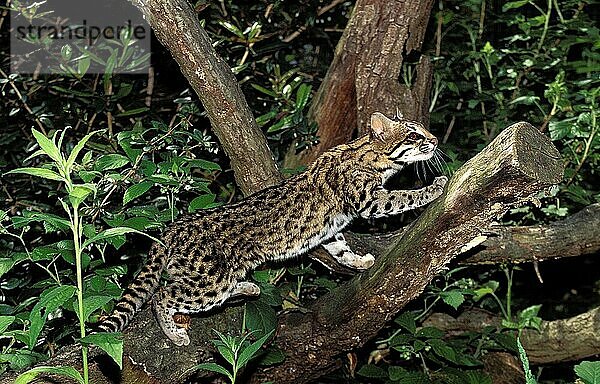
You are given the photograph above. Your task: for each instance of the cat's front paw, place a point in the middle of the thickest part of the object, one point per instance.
(352, 260)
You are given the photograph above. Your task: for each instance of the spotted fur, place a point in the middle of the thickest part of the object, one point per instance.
(208, 255)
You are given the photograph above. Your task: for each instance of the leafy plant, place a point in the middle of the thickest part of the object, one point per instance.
(588, 372)
(62, 169)
(237, 351)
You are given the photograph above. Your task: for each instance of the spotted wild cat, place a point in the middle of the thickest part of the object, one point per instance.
(209, 254)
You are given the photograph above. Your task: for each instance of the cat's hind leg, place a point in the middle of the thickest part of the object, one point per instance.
(340, 250)
(164, 309)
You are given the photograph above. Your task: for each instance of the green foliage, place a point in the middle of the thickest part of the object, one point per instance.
(82, 194)
(588, 372)
(237, 351)
(526, 60)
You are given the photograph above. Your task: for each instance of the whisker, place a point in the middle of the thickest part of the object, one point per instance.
(442, 164)
(431, 165)
(438, 150)
(416, 164)
(423, 164)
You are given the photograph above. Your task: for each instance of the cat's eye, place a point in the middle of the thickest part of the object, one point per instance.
(414, 136)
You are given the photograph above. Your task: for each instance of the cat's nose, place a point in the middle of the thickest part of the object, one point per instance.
(434, 141)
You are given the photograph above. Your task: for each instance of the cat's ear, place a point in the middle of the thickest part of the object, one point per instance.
(379, 125)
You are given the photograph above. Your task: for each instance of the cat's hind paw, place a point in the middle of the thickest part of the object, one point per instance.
(178, 336)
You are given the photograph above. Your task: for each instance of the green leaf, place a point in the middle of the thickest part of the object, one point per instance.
(205, 164)
(111, 161)
(21, 359)
(135, 111)
(226, 353)
(527, 100)
(453, 298)
(39, 172)
(92, 303)
(264, 90)
(136, 190)
(231, 28)
(111, 343)
(201, 202)
(261, 318)
(302, 95)
(250, 351)
(396, 373)
(5, 322)
(79, 193)
(430, 333)
(506, 340)
(7, 263)
(514, 4)
(588, 372)
(47, 146)
(373, 372)
(407, 321)
(77, 148)
(273, 356)
(213, 367)
(442, 349)
(83, 64)
(112, 232)
(31, 375)
(50, 300)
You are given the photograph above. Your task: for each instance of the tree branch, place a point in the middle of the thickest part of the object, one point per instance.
(518, 163)
(557, 341)
(577, 235)
(178, 29)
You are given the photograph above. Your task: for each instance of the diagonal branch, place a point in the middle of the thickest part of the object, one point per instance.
(518, 163)
(178, 29)
(576, 235)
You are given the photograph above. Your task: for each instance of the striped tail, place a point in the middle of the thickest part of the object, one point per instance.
(139, 291)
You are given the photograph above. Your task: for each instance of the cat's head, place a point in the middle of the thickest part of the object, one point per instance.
(402, 141)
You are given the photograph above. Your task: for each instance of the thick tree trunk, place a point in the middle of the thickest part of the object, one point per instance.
(178, 29)
(505, 173)
(363, 77)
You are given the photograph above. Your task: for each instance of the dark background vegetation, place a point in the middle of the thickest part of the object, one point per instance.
(495, 63)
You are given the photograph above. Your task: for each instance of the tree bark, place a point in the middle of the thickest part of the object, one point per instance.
(557, 341)
(576, 235)
(363, 77)
(507, 172)
(178, 29)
